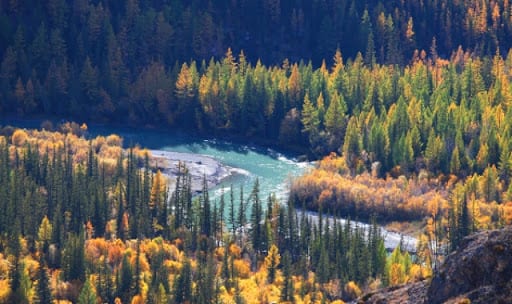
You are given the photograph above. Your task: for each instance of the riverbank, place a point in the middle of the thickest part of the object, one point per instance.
(203, 166)
(98, 127)
(392, 239)
(199, 167)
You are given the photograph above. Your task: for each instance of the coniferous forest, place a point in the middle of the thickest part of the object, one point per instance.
(85, 220)
(406, 105)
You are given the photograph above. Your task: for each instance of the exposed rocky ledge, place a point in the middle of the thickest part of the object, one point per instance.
(480, 271)
(401, 294)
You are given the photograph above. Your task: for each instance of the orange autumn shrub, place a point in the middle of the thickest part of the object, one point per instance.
(19, 137)
(332, 189)
(242, 268)
(5, 290)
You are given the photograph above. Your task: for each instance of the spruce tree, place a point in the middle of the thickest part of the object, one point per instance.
(43, 292)
(183, 284)
(87, 294)
(287, 291)
(205, 219)
(256, 230)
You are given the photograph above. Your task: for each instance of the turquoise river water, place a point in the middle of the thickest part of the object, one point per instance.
(274, 170)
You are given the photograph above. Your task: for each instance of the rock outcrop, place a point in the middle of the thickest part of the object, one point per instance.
(402, 294)
(480, 271)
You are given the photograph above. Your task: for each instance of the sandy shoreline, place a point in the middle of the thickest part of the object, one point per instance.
(198, 166)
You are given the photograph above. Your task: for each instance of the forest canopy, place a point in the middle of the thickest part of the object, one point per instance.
(248, 67)
(407, 105)
(87, 221)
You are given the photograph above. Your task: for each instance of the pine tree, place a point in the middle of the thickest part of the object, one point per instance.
(87, 294)
(352, 144)
(464, 219)
(455, 161)
(489, 184)
(125, 281)
(44, 235)
(184, 84)
(73, 259)
(434, 152)
(482, 158)
(369, 56)
(310, 119)
(104, 283)
(232, 214)
(295, 87)
(256, 230)
(287, 291)
(183, 284)
(43, 292)
(272, 261)
(322, 268)
(504, 164)
(242, 217)
(206, 281)
(205, 217)
(239, 299)
(225, 271)
(335, 117)
(396, 267)
(89, 82)
(21, 293)
(219, 218)
(156, 202)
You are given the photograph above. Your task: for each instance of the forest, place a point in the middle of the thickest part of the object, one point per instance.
(224, 67)
(86, 221)
(406, 107)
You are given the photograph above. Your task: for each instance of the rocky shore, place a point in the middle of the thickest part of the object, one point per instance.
(199, 166)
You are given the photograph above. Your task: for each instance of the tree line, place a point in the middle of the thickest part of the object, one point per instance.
(272, 30)
(444, 115)
(151, 63)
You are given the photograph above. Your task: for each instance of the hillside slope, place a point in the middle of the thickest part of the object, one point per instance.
(479, 271)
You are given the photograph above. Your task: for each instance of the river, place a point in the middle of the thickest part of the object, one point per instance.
(274, 170)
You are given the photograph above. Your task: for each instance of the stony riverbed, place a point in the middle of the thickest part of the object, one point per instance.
(199, 166)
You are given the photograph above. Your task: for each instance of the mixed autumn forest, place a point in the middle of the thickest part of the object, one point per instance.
(407, 105)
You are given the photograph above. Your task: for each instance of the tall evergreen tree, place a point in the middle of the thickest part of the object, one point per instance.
(183, 284)
(43, 292)
(87, 294)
